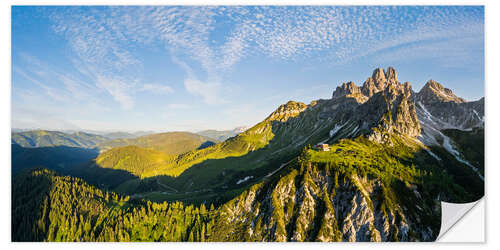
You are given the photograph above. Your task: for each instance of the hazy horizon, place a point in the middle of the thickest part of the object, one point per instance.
(106, 131)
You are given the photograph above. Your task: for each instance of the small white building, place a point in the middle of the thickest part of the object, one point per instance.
(323, 147)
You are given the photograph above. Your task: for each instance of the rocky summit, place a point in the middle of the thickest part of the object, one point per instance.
(434, 92)
(383, 104)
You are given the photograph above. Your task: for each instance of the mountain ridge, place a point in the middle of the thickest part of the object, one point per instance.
(46, 138)
(222, 135)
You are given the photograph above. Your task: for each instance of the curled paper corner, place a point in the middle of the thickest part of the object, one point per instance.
(453, 213)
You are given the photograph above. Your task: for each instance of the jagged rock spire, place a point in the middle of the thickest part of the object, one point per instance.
(345, 89)
(379, 79)
(369, 87)
(391, 75)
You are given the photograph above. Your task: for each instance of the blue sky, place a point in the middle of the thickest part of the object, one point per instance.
(193, 68)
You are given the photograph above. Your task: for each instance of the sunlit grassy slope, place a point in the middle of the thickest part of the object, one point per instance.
(138, 161)
(172, 143)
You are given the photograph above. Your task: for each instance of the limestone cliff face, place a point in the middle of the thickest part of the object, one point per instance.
(434, 92)
(385, 106)
(314, 204)
(439, 108)
(369, 88)
(379, 79)
(391, 75)
(349, 90)
(346, 89)
(392, 111)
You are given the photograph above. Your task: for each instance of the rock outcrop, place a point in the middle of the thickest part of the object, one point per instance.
(286, 111)
(313, 204)
(346, 89)
(369, 88)
(434, 92)
(391, 75)
(391, 111)
(379, 79)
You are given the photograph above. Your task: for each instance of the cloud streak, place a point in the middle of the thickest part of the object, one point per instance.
(206, 90)
(158, 89)
(104, 38)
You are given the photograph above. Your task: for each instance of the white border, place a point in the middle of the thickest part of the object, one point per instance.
(492, 126)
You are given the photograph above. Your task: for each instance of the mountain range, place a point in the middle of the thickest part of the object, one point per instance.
(67, 151)
(44, 138)
(394, 155)
(222, 135)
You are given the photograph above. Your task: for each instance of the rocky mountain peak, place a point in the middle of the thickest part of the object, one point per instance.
(391, 75)
(379, 79)
(346, 89)
(383, 106)
(434, 92)
(399, 89)
(369, 88)
(388, 105)
(433, 86)
(286, 111)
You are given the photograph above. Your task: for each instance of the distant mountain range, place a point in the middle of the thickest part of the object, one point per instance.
(44, 138)
(222, 135)
(66, 152)
(394, 155)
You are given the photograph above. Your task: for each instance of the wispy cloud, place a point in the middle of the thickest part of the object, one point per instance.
(157, 88)
(206, 90)
(104, 39)
(448, 53)
(58, 86)
(178, 106)
(118, 89)
(51, 92)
